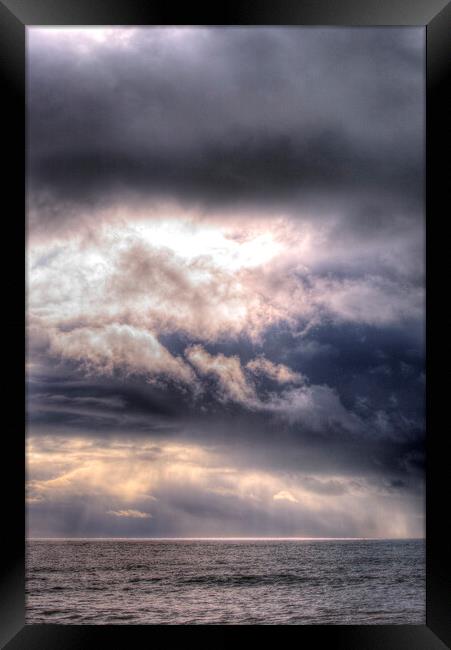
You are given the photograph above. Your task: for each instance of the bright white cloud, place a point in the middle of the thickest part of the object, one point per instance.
(130, 514)
(210, 281)
(283, 495)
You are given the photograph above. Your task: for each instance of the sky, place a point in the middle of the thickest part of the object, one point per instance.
(225, 282)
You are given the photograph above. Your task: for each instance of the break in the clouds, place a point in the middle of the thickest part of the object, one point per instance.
(225, 296)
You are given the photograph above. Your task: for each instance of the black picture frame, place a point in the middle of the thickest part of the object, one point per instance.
(15, 16)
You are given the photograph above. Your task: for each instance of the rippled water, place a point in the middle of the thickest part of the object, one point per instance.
(225, 582)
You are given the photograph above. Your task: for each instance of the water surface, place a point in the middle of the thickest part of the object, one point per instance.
(225, 582)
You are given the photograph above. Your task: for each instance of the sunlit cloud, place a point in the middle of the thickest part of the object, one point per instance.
(283, 495)
(233, 384)
(120, 346)
(116, 294)
(276, 371)
(128, 475)
(133, 514)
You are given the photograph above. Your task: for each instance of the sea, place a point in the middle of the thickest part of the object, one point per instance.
(225, 582)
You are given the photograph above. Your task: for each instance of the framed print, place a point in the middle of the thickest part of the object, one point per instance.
(231, 277)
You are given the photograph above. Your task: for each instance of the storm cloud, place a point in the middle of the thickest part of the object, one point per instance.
(225, 296)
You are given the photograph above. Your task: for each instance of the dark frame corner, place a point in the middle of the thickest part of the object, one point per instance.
(435, 16)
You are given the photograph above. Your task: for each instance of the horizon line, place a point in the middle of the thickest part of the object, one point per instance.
(229, 538)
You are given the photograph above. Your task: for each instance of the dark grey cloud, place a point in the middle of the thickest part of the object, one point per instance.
(325, 118)
(376, 374)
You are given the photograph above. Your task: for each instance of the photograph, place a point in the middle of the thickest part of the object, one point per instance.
(225, 325)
